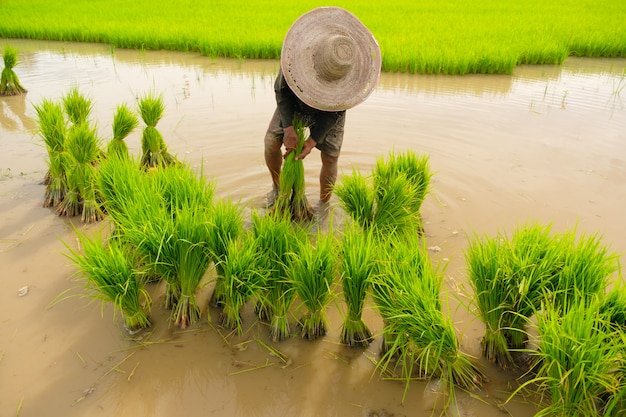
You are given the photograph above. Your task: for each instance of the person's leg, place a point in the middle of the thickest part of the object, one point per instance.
(328, 176)
(273, 155)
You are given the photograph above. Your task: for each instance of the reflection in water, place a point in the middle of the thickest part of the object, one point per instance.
(13, 115)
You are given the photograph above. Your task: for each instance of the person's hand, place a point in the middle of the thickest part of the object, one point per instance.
(309, 144)
(290, 140)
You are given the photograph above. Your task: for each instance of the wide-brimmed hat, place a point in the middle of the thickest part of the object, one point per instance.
(330, 60)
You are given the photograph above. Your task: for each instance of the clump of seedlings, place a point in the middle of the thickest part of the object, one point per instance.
(226, 225)
(9, 82)
(52, 129)
(312, 269)
(357, 265)
(124, 122)
(579, 362)
(419, 341)
(275, 238)
(110, 276)
(389, 200)
(153, 148)
(241, 281)
(292, 200)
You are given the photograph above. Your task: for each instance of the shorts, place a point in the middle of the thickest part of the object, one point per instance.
(330, 145)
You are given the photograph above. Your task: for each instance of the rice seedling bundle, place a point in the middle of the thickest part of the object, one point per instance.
(275, 238)
(416, 332)
(119, 180)
(390, 199)
(312, 269)
(614, 305)
(153, 149)
(84, 152)
(124, 122)
(77, 107)
(580, 361)
(109, 275)
(9, 82)
(242, 279)
(357, 261)
(180, 187)
(291, 198)
(225, 226)
(586, 266)
(51, 123)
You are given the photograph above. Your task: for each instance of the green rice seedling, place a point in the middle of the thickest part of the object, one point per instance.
(109, 275)
(421, 339)
(9, 81)
(124, 122)
(226, 225)
(242, 279)
(153, 149)
(189, 253)
(77, 107)
(415, 168)
(83, 148)
(119, 180)
(579, 359)
(613, 305)
(358, 253)
(51, 124)
(292, 199)
(357, 198)
(179, 186)
(275, 237)
(587, 265)
(510, 278)
(312, 269)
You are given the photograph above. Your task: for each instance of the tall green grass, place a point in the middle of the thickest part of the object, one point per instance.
(453, 37)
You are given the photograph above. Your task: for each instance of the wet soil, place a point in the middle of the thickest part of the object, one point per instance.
(544, 144)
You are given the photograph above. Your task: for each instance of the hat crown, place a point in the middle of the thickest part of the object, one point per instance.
(334, 57)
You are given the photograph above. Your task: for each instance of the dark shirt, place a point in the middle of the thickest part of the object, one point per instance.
(318, 121)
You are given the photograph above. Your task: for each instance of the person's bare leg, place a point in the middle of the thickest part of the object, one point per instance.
(273, 158)
(328, 176)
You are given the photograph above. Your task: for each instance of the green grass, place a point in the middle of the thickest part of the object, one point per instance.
(453, 37)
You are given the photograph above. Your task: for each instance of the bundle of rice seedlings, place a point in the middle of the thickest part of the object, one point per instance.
(357, 255)
(291, 200)
(613, 305)
(50, 119)
(420, 338)
(384, 203)
(586, 267)
(275, 237)
(415, 168)
(242, 279)
(226, 225)
(9, 82)
(153, 149)
(179, 186)
(124, 122)
(77, 107)
(312, 269)
(579, 359)
(83, 148)
(119, 180)
(109, 275)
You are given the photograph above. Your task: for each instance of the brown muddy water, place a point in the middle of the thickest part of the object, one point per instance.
(544, 144)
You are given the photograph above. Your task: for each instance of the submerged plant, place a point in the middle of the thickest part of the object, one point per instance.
(9, 82)
(110, 275)
(292, 200)
(312, 270)
(419, 340)
(358, 254)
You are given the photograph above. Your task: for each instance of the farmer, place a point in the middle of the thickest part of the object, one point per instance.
(330, 62)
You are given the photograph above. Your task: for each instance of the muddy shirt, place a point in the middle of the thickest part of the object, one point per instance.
(320, 122)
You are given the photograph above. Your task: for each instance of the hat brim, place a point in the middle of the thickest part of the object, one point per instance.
(302, 40)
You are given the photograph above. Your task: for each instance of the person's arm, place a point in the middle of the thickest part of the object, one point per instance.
(324, 121)
(286, 102)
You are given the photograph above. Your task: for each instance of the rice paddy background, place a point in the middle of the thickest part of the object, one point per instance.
(452, 37)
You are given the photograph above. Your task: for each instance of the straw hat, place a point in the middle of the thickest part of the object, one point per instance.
(330, 60)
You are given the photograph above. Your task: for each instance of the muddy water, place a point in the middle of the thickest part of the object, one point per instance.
(544, 144)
